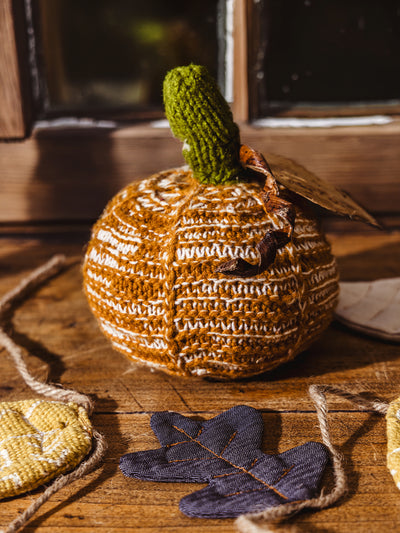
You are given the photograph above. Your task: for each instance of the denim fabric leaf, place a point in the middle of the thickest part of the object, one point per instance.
(225, 452)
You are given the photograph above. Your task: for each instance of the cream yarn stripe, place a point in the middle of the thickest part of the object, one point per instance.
(7, 302)
(264, 521)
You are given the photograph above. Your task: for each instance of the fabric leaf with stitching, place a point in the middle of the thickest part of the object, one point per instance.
(225, 452)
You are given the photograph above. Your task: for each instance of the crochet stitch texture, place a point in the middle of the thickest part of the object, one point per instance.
(150, 279)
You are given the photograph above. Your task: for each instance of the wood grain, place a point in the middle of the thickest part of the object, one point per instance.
(240, 106)
(15, 114)
(56, 326)
(69, 175)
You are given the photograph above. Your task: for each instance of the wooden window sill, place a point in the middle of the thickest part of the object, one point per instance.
(69, 173)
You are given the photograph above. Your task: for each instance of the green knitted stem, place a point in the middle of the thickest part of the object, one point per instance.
(200, 117)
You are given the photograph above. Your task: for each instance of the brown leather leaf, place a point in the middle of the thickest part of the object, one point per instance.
(273, 204)
(266, 249)
(306, 184)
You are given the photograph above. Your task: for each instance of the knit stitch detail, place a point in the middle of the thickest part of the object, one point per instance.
(150, 279)
(170, 289)
(201, 118)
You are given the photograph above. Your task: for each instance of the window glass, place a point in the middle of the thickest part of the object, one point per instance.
(107, 54)
(328, 51)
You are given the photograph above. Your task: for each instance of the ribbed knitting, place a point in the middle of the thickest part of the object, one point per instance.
(150, 278)
(201, 118)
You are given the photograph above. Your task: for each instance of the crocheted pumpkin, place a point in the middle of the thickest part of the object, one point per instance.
(208, 270)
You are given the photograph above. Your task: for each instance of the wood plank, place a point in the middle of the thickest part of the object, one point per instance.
(257, 48)
(57, 327)
(344, 109)
(69, 175)
(15, 115)
(240, 105)
(390, 222)
(110, 502)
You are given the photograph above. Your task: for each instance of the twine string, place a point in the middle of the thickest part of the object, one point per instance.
(250, 523)
(31, 282)
(98, 450)
(46, 389)
(373, 405)
(264, 521)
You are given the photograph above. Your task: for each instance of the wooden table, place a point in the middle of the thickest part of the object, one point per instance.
(56, 326)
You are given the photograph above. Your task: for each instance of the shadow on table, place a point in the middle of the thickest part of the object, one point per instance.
(107, 469)
(338, 350)
(380, 262)
(341, 349)
(33, 250)
(298, 523)
(105, 420)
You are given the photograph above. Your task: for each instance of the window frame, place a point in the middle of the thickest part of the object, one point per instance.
(66, 162)
(15, 92)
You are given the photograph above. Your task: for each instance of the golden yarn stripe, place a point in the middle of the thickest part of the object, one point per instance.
(169, 228)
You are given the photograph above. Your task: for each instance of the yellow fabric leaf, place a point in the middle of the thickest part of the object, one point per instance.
(39, 440)
(393, 438)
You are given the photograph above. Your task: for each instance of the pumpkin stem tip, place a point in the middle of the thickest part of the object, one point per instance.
(201, 118)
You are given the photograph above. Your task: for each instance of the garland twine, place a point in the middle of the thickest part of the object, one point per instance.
(264, 521)
(56, 392)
